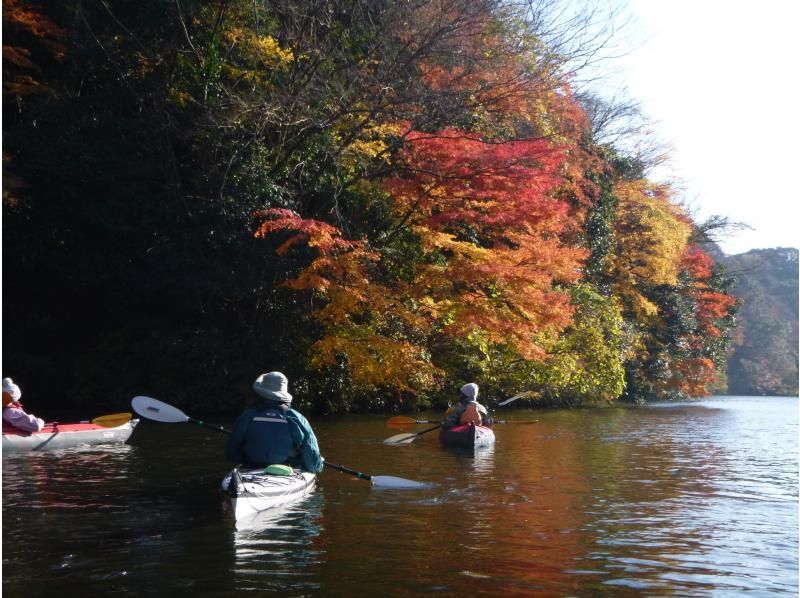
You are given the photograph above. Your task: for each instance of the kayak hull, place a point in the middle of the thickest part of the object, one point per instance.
(468, 436)
(255, 491)
(59, 436)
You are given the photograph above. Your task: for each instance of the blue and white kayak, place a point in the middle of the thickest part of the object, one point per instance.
(254, 491)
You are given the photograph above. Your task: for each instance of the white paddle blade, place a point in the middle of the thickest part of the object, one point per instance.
(400, 439)
(389, 481)
(521, 395)
(157, 411)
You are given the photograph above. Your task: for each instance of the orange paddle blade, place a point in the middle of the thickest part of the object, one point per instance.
(400, 420)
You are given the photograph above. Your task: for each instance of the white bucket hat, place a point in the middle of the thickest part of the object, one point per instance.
(470, 391)
(273, 386)
(12, 389)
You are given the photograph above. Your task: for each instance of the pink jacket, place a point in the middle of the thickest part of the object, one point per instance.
(16, 416)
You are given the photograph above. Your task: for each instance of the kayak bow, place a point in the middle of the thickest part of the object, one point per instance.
(57, 436)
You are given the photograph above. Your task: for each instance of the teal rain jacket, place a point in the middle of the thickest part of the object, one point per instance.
(270, 433)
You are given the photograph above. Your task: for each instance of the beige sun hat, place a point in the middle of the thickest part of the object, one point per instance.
(273, 386)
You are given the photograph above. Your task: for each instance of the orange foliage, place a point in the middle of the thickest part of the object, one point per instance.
(500, 277)
(697, 262)
(507, 81)
(315, 233)
(697, 375)
(364, 320)
(26, 33)
(693, 376)
(711, 305)
(488, 225)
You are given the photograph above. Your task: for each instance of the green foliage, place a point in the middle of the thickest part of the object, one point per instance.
(599, 229)
(586, 365)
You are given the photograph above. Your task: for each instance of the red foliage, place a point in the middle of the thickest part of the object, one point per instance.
(712, 305)
(315, 233)
(697, 262)
(496, 187)
(697, 375)
(694, 376)
(490, 208)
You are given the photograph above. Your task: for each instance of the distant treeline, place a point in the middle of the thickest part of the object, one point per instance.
(382, 199)
(764, 353)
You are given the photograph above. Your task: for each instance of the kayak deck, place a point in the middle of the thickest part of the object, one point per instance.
(57, 436)
(255, 491)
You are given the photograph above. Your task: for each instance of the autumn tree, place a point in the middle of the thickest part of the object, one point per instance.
(379, 198)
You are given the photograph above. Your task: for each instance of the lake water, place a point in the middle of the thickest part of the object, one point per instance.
(692, 499)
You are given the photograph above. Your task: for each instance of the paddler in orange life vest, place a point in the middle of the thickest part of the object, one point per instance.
(13, 413)
(467, 410)
(271, 432)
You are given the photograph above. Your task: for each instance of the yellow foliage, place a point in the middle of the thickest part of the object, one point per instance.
(376, 360)
(364, 141)
(437, 240)
(652, 232)
(650, 236)
(179, 97)
(263, 50)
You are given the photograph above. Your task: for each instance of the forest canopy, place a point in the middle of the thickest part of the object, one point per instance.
(381, 199)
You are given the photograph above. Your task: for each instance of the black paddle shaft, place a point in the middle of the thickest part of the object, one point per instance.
(210, 426)
(344, 469)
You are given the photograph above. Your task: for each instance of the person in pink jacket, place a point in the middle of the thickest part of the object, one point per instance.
(468, 410)
(13, 413)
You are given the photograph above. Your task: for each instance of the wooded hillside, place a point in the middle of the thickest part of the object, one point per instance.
(764, 353)
(382, 199)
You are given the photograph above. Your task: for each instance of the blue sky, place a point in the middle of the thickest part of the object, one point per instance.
(719, 79)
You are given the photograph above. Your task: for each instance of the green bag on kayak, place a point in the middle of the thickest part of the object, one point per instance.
(278, 470)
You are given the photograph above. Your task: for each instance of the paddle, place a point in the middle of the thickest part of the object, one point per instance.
(401, 420)
(522, 395)
(113, 420)
(409, 438)
(381, 481)
(162, 412)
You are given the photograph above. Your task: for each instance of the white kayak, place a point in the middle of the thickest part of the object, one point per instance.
(58, 436)
(255, 491)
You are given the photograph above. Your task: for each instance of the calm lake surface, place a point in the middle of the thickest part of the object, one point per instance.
(692, 499)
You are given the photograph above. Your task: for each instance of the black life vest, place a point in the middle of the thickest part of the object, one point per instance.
(268, 439)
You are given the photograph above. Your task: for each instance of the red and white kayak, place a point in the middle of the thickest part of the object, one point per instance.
(58, 436)
(466, 436)
(252, 491)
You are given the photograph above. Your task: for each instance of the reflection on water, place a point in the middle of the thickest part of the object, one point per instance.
(276, 550)
(50, 480)
(696, 499)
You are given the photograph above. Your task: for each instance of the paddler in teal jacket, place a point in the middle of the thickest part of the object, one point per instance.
(271, 432)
